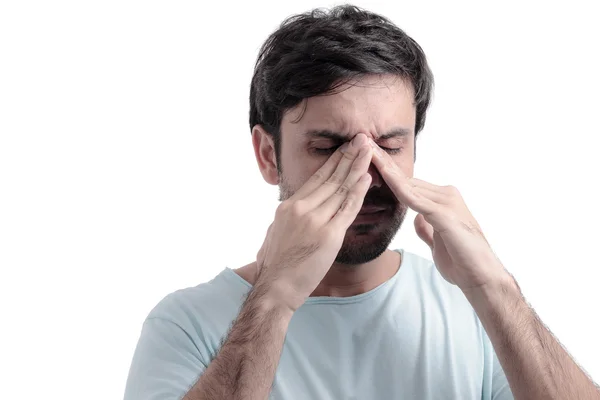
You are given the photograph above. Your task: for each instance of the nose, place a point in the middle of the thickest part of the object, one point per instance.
(376, 179)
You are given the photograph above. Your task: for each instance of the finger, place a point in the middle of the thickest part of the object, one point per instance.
(415, 193)
(424, 230)
(401, 185)
(433, 195)
(389, 170)
(350, 207)
(331, 205)
(420, 196)
(426, 185)
(322, 174)
(396, 180)
(439, 194)
(355, 162)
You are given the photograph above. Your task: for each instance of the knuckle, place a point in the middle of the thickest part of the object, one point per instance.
(452, 190)
(359, 166)
(349, 155)
(317, 176)
(386, 168)
(347, 204)
(342, 190)
(312, 222)
(335, 179)
(290, 208)
(283, 208)
(298, 208)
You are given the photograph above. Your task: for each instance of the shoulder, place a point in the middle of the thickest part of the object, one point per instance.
(207, 308)
(180, 336)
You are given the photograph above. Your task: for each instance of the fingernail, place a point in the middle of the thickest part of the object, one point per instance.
(344, 147)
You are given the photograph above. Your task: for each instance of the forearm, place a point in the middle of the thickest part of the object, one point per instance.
(535, 364)
(245, 366)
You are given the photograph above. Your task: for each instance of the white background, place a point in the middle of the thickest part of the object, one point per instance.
(127, 172)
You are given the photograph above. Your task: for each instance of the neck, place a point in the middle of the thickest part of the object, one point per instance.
(345, 281)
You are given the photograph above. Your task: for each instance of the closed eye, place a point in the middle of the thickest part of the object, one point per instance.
(331, 150)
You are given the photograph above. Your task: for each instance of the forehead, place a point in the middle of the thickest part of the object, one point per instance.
(372, 105)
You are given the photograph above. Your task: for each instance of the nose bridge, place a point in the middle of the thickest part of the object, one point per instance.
(376, 178)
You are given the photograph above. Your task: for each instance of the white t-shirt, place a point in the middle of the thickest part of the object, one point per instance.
(413, 337)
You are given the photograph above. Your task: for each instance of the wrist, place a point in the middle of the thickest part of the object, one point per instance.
(269, 299)
(504, 284)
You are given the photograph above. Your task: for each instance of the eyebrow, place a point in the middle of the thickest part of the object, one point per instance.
(341, 137)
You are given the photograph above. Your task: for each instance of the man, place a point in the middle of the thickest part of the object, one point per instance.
(327, 311)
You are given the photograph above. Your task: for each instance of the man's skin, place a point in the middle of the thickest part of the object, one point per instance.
(297, 259)
(374, 107)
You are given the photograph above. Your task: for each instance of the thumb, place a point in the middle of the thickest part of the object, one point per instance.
(424, 230)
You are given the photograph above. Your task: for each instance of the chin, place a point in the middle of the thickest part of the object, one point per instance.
(365, 242)
(362, 246)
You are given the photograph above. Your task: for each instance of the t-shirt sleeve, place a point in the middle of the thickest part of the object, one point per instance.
(500, 388)
(166, 363)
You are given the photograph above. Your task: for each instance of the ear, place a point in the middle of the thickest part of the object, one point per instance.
(264, 150)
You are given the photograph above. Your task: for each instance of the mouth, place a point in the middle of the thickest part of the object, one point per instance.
(369, 210)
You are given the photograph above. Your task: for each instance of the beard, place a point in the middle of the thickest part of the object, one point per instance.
(364, 242)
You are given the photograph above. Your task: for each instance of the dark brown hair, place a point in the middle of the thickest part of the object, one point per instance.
(316, 52)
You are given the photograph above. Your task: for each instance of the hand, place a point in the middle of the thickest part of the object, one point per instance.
(460, 250)
(309, 227)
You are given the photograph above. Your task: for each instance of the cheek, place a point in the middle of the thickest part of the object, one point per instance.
(308, 169)
(299, 166)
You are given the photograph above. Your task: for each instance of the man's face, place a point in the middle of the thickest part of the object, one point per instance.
(382, 108)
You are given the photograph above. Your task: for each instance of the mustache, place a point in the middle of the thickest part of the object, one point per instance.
(380, 198)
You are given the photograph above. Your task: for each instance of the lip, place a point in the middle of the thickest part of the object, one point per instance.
(370, 218)
(366, 210)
